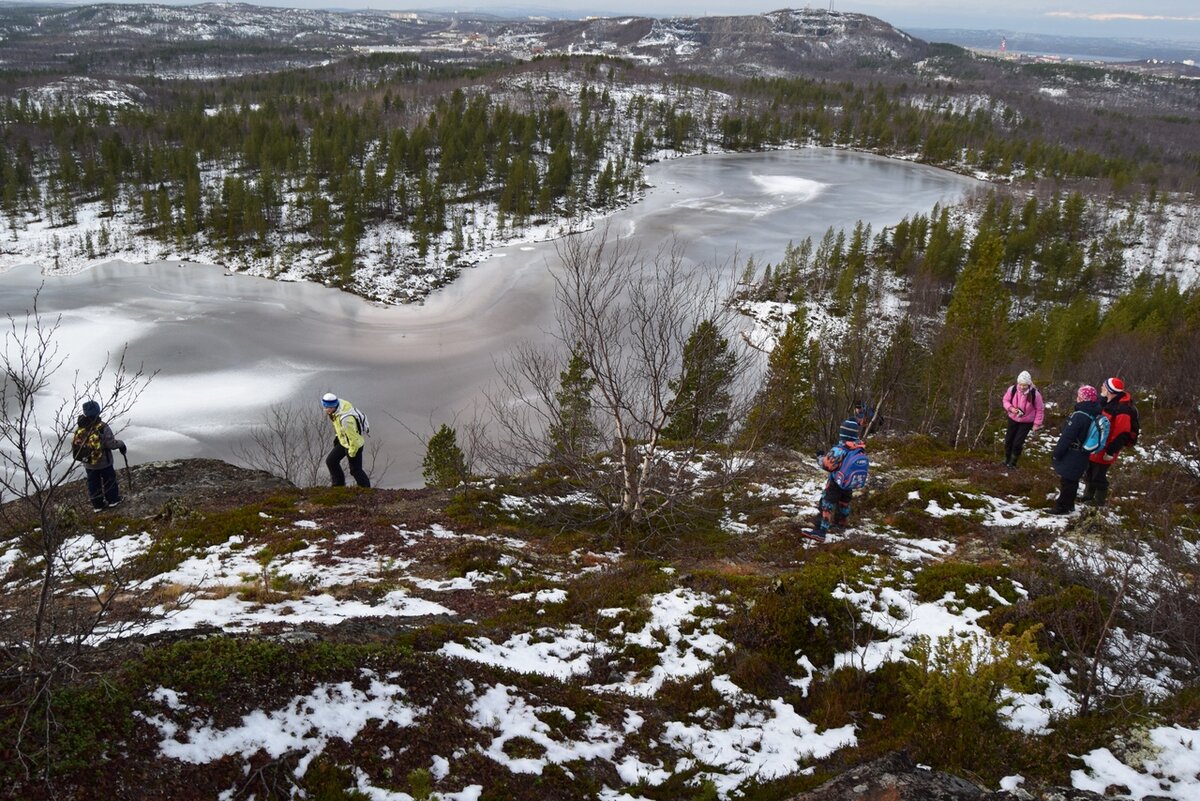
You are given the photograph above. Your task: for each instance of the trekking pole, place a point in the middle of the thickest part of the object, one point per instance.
(128, 472)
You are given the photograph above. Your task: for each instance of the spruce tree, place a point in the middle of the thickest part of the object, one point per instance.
(782, 411)
(574, 433)
(975, 343)
(444, 465)
(700, 409)
(1068, 333)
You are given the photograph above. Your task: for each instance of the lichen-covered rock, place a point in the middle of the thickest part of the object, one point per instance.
(896, 777)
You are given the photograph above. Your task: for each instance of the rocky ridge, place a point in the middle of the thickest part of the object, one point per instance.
(775, 43)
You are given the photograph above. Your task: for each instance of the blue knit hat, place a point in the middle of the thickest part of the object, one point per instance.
(849, 430)
(91, 409)
(329, 400)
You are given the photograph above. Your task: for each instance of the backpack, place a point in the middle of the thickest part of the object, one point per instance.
(86, 445)
(853, 472)
(364, 426)
(1097, 434)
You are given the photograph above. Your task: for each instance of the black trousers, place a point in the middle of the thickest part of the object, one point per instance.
(102, 487)
(1096, 476)
(1068, 489)
(334, 462)
(1014, 440)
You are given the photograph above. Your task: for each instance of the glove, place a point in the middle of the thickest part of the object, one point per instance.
(820, 454)
(122, 450)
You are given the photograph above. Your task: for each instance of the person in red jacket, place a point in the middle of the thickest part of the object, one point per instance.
(1123, 430)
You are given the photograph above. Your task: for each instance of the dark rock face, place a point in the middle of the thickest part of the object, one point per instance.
(896, 777)
(152, 488)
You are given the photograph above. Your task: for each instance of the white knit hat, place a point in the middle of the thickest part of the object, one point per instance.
(1025, 378)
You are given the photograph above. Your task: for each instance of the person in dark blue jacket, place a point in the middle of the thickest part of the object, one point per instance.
(96, 443)
(1069, 458)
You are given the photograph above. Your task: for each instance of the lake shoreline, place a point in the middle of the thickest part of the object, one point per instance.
(40, 251)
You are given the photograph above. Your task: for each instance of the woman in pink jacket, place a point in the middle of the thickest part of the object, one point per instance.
(1023, 404)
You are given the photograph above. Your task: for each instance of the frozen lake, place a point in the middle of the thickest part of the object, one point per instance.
(228, 346)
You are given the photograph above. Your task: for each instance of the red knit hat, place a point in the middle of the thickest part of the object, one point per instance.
(1114, 385)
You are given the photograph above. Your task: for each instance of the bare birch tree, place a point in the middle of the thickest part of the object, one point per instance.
(628, 319)
(72, 592)
(290, 442)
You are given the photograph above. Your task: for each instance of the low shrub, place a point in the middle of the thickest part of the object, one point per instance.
(1069, 620)
(947, 494)
(968, 581)
(474, 556)
(952, 693)
(799, 614)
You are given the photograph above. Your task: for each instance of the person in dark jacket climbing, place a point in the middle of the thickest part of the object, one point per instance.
(92, 446)
(1068, 457)
(1123, 430)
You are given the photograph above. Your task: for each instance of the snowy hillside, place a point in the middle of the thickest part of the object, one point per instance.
(526, 658)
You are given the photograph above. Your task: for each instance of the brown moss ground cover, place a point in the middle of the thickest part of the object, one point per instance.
(772, 598)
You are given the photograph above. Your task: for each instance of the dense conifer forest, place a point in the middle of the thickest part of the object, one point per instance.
(260, 168)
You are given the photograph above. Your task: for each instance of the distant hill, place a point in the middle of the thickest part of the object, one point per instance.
(777, 43)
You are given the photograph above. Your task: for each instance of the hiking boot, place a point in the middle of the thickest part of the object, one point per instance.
(1097, 498)
(816, 535)
(1060, 511)
(1089, 492)
(99, 508)
(117, 502)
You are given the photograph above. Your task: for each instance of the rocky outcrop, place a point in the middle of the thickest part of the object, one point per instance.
(896, 777)
(155, 488)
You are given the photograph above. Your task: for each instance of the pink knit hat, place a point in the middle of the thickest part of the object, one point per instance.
(1087, 393)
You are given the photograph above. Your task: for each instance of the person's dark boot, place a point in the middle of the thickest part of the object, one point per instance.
(1100, 497)
(1089, 492)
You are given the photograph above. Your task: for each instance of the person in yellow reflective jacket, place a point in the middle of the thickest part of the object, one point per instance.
(348, 441)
